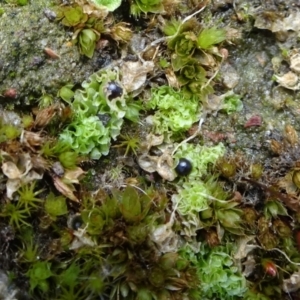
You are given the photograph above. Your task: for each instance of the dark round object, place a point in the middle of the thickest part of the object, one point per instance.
(184, 167)
(114, 90)
(76, 222)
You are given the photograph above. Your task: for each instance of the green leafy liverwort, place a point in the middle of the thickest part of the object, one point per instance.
(98, 118)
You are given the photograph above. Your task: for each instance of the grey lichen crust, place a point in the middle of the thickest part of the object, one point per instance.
(25, 66)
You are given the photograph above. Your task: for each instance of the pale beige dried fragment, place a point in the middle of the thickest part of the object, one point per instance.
(148, 163)
(135, 74)
(65, 189)
(19, 171)
(153, 140)
(295, 62)
(243, 248)
(291, 22)
(165, 166)
(91, 9)
(172, 79)
(289, 81)
(73, 175)
(31, 139)
(81, 239)
(164, 236)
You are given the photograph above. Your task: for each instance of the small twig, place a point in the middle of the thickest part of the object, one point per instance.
(285, 255)
(138, 188)
(192, 136)
(211, 78)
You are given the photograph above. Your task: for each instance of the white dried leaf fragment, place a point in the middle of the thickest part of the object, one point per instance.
(11, 171)
(18, 173)
(292, 284)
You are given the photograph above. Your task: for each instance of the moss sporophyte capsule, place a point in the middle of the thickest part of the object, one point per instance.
(114, 90)
(184, 167)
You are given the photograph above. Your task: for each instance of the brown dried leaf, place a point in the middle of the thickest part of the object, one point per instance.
(81, 239)
(45, 115)
(291, 135)
(172, 79)
(276, 147)
(31, 139)
(287, 184)
(65, 189)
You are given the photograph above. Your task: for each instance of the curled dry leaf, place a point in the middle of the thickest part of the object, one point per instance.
(73, 175)
(81, 239)
(45, 115)
(19, 172)
(92, 10)
(249, 265)
(65, 189)
(164, 237)
(243, 248)
(135, 74)
(153, 140)
(289, 81)
(11, 170)
(163, 165)
(172, 79)
(31, 139)
(148, 163)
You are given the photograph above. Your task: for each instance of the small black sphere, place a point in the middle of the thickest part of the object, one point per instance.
(76, 222)
(114, 90)
(184, 167)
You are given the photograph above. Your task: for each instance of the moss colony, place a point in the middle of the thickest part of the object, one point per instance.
(129, 183)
